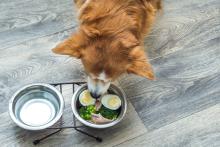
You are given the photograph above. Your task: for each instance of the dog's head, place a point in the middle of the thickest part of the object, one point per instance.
(108, 46)
(106, 58)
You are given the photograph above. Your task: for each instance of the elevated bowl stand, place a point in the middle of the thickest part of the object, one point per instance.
(75, 127)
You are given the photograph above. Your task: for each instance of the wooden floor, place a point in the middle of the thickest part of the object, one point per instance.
(181, 108)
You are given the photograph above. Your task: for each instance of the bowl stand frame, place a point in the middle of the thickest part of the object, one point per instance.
(75, 127)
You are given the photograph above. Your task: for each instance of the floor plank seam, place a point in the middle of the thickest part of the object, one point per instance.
(40, 37)
(148, 132)
(130, 139)
(181, 118)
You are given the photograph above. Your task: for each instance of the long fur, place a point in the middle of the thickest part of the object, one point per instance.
(110, 36)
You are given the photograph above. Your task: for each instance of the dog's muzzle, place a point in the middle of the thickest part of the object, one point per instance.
(97, 87)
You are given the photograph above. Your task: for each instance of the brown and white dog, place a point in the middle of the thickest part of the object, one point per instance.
(110, 38)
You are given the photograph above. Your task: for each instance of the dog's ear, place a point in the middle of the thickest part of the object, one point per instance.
(139, 64)
(71, 46)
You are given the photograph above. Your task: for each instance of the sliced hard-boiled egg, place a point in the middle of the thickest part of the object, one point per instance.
(86, 99)
(111, 101)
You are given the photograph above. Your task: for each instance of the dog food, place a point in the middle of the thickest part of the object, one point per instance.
(103, 110)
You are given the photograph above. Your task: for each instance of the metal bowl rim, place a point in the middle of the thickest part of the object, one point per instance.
(99, 126)
(52, 122)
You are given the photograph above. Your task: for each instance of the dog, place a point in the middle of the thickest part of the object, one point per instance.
(110, 40)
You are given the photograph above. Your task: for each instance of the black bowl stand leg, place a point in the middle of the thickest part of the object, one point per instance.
(37, 141)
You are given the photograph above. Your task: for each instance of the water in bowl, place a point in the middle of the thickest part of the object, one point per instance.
(38, 109)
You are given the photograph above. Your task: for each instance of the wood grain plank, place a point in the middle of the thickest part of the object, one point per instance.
(201, 129)
(183, 24)
(187, 81)
(130, 127)
(188, 76)
(25, 20)
(32, 62)
(183, 48)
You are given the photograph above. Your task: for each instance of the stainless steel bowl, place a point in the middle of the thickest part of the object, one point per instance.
(113, 89)
(36, 106)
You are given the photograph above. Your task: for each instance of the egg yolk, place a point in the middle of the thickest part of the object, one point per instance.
(113, 102)
(86, 98)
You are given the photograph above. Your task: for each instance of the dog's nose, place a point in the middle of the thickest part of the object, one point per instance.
(95, 95)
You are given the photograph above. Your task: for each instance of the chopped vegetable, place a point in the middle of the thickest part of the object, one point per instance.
(86, 111)
(108, 113)
(99, 111)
